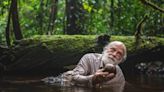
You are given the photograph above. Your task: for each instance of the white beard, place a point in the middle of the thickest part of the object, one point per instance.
(108, 60)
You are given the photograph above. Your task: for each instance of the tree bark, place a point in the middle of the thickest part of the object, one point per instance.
(7, 31)
(146, 2)
(52, 17)
(112, 14)
(40, 17)
(119, 15)
(15, 20)
(138, 32)
(73, 22)
(70, 24)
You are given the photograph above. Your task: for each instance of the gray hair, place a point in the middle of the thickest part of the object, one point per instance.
(111, 44)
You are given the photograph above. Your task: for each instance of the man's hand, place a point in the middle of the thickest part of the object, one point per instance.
(110, 68)
(101, 76)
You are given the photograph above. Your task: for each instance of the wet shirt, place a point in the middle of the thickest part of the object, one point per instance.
(86, 68)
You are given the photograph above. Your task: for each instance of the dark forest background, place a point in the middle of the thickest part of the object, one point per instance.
(25, 18)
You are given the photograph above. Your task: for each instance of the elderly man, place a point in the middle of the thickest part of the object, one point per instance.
(89, 71)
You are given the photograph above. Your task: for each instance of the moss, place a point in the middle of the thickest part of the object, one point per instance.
(56, 51)
(81, 43)
(66, 43)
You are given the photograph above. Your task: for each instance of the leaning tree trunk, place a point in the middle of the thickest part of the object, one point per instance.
(152, 5)
(15, 20)
(138, 33)
(7, 31)
(13, 12)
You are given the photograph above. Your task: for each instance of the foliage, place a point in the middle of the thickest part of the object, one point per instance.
(95, 17)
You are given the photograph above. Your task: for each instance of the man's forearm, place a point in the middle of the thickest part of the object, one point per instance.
(81, 79)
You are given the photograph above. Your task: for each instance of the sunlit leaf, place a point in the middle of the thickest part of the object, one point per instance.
(5, 2)
(87, 7)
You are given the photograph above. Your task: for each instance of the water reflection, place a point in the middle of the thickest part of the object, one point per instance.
(145, 82)
(64, 84)
(135, 83)
(27, 88)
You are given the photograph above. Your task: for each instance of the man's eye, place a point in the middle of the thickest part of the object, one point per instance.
(112, 49)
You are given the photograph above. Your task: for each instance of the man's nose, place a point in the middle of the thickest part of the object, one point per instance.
(114, 53)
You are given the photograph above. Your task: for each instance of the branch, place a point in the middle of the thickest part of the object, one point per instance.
(146, 2)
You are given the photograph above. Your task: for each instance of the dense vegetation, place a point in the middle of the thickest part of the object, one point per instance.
(139, 22)
(115, 17)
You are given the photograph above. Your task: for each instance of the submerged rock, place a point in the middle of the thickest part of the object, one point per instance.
(63, 80)
(156, 67)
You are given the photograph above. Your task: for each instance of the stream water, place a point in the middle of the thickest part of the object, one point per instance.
(135, 83)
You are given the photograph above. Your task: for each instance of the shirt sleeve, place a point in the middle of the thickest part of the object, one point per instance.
(81, 72)
(121, 80)
(120, 75)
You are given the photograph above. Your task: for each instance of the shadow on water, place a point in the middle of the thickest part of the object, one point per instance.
(135, 83)
(144, 82)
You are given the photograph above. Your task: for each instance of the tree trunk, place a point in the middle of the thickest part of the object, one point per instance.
(52, 17)
(152, 5)
(119, 15)
(112, 14)
(40, 17)
(15, 20)
(70, 24)
(138, 33)
(13, 12)
(74, 21)
(7, 31)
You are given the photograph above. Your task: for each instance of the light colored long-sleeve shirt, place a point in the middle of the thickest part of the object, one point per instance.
(83, 73)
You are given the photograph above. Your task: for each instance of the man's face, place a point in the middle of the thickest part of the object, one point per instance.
(113, 54)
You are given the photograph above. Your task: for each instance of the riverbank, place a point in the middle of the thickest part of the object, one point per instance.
(51, 54)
